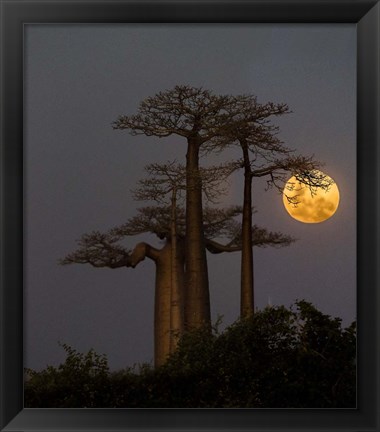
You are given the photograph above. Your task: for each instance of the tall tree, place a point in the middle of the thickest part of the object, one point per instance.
(166, 185)
(107, 250)
(198, 116)
(263, 155)
(163, 180)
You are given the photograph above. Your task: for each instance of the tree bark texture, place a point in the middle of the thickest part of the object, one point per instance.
(163, 294)
(197, 298)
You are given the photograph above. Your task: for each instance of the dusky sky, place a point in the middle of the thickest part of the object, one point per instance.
(79, 171)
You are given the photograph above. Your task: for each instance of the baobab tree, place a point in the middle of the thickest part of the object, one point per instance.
(167, 181)
(198, 116)
(166, 185)
(107, 250)
(205, 121)
(263, 156)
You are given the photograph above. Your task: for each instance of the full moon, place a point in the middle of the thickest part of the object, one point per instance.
(311, 208)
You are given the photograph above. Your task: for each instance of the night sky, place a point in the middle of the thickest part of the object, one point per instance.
(79, 171)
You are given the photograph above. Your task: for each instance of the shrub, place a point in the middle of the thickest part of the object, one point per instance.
(278, 358)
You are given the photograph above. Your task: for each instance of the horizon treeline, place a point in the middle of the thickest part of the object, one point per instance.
(279, 357)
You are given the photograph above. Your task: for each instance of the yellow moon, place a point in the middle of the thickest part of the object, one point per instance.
(311, 208)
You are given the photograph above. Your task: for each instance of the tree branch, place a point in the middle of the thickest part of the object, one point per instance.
(261, 238)
(141, 251)
(99, 250)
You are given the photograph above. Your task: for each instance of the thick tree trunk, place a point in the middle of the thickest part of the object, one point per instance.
(197, 298)
(163, 293)
(162, 306)
(247, 283)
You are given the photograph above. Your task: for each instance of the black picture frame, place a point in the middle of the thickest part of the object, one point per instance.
(14, 15)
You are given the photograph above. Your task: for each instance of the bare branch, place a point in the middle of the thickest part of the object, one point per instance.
(152, 219)
(99, 250)
(183, 111)
(141, 251)
(261, 238)
(164, 178)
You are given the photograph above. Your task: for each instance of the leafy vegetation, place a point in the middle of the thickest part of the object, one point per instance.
(279, 357)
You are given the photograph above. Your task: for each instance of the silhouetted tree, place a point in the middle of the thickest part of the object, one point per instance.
(166, 184)
(107, 250)
(208, 121)
(263, 155)
(199, 117)
(163, 180)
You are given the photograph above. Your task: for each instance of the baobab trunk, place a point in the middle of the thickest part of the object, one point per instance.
(162, 306)
(247, 282)
(197, 298)
(163, 294)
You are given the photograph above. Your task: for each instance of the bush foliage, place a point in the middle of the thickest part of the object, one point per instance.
(279, 358)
